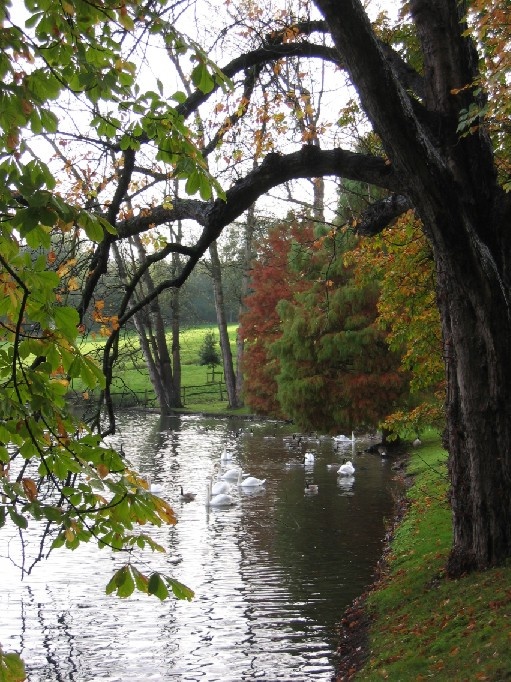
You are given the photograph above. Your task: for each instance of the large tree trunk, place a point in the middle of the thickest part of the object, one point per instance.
(450, 181)
(473, 298)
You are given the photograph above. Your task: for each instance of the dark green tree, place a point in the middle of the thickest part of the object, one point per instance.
(208, 352)
(336, 370)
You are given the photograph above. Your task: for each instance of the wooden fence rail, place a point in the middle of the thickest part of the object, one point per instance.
(204, 393)
(212, 392)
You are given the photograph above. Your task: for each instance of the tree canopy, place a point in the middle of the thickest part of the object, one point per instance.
(76, 85)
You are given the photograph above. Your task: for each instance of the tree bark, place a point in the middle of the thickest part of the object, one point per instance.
(225, 346)
(163, 383)
(250, 225)
(452, 185)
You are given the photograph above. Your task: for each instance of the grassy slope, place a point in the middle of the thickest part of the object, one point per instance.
(131, 372)
(425, 626)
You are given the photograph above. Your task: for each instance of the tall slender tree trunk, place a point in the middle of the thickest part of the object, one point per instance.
(250, 226)
(175, 308)
(225, 346)
(144, 333)
(153, 341)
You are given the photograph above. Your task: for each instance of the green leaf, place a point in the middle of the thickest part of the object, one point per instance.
(126, 21)
(59, 541)
(141, 580)
(91, 374)
(122, 583)
(92, 226)
(157, 587)
(66, 321)
(202, 79)
(193, 183)
(106, 225)
(18, 519)
(180, 591)
(52, 513)
(12, 668)
(49, 121)
(205, 188)
(179, 97)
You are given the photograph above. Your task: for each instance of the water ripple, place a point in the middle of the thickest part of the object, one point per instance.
(271, 575)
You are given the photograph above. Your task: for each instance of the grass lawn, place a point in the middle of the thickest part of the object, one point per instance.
(131, 378)
(425, 626)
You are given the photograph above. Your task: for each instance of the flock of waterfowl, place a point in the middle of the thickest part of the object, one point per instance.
(218, 491)
(345, 470)
(220, 486)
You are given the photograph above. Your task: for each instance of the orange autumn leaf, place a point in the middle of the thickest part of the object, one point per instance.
(30, 488)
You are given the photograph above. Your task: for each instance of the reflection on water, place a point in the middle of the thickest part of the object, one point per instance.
(271, 574)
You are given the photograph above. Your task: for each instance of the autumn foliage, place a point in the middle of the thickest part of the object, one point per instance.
(401, 259)
(314, 350)
(337, 372)
(272, 280)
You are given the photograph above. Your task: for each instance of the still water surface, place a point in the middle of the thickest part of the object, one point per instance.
(272, 574)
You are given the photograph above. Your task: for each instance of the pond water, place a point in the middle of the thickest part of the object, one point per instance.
(271, 574)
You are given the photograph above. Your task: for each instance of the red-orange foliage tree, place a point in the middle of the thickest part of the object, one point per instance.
(272, 280)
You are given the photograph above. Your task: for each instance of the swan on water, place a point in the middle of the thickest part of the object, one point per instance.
(226, 456)
(154, 488)
(220, 500)
(345, 482)
(341, 438)
(308, 458)
(231, 474)
(346, 469)
(186, 497)
(220, 487)
(250, 481)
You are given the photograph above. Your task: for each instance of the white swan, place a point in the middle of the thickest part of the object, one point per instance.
(231, 474)
(221, 500)
(186, 497)
(346, 482)
(308, 458)
(226, 456)
(154, 488)
(250, 481)
(220, 487)
(341, 438)
(346, 469)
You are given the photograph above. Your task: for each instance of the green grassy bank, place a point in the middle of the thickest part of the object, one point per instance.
(424, 626)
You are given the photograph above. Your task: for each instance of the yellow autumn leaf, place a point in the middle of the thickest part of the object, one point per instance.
(165, 511)
(68, 8)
